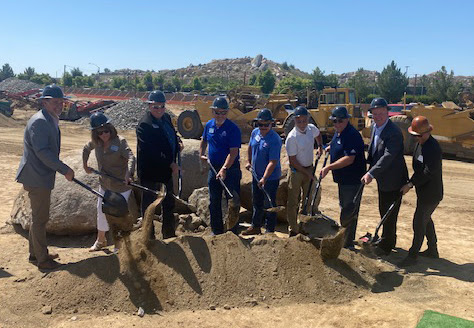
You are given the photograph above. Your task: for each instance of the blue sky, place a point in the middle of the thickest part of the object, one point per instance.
(338, 36)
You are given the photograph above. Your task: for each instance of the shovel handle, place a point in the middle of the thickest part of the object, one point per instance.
(180, 176)
(125, 182)
(261, 188)
(227, 191)
(82, 184)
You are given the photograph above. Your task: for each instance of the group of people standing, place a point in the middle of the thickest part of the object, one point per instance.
(158, 146)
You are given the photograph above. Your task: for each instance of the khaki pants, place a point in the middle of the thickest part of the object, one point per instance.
(40, 199)
(298, 183)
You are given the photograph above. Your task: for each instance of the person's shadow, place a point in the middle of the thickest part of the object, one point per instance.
(4, 274)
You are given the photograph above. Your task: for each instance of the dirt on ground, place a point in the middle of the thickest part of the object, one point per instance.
(267, 281)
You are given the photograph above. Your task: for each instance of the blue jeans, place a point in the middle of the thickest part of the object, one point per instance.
(260, 202)
(232, 181)
(346, 196)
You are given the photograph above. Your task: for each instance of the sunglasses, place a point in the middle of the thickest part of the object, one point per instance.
(338, 120)
(263, 124)
(158, 106)
(102, 132)
(220, 112)
(421, 135)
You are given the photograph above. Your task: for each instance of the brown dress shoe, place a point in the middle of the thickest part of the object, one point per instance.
(49, 265)
(51, 256)
(252, 231)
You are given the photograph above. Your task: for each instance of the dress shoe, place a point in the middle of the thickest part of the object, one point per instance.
(430, 252)
(292, 233)
(408, 261)
(51, 256)
(250, 231)
(49, 265)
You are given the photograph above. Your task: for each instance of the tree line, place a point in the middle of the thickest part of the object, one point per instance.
(390, 84)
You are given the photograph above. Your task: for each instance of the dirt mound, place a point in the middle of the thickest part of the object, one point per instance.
(8, 122)
(14, 85)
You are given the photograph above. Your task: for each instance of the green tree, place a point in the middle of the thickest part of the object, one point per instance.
(118, 82)
(6, 72)
(293, 84)
(29, 72)
(392, 83)
(76, 71)
(107, 70)
(424, 83)
(197, 85)
(319, 79)
(266, 80)
(158, 81)
(42, 79)
(79, 81)
(362, 84)
(148, 81)
(285, 66)
(443, 87)
(253, 79)
(67, 79)
(168, 86)
(177, 83)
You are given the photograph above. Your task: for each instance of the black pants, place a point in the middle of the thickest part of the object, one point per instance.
(346, 197)
(167, 207)
(423, 226)
(389, 234)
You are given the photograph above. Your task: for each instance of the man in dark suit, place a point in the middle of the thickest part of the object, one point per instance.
(428, 181)
(388, 167)
(37, 171)
(157, 150)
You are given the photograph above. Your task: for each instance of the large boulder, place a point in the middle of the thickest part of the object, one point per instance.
(200, 200)
(73, 208)
(194, 174)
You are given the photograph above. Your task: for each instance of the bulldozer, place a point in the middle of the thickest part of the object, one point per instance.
(328, 99)
(244, 104)
(453, 127)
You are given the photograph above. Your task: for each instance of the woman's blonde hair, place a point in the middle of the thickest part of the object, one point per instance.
(95, 135)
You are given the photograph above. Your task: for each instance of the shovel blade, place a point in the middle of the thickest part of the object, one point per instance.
(113, 203)
(275, 209)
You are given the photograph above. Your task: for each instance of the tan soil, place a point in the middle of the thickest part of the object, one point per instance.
(267, 281)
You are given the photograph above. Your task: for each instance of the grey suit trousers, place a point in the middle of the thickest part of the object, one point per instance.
(40, 199)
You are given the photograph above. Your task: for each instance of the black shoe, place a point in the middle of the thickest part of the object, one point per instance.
(433, 253)
(292, 233)
(382, 252)
(408, 261)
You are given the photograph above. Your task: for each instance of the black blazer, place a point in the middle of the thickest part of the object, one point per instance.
(427, 176)
(387, 164)
(154, 153)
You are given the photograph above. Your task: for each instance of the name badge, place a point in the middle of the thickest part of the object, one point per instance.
(114, 148)
(257, 138)
(155, 126)
(420, 158)
(211, 130)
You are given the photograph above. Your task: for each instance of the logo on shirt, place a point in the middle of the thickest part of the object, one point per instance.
(211, 130)
(156, 126)
(257, 138)
(265, 145)
(223, 134)
(353, 151)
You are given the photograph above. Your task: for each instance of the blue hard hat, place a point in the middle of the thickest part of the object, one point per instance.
(301, 111)
(265, 115)
(339, 112)
(220, 103)
(156, 96)
(378, 102)
(98, 119)
(52, 91)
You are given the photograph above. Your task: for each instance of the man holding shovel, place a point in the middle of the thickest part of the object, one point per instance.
(264, 160)
(37, 171)
(224, 140)
(348, 167)
(388, 167)
(299, 146)
(157, 149)
(428, 181)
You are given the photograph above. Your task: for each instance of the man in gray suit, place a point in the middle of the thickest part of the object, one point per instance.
(37, 171)
(388, 167)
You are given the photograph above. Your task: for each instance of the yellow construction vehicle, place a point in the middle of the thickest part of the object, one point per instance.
(328, 99)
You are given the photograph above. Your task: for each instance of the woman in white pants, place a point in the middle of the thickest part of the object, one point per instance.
(115, 158)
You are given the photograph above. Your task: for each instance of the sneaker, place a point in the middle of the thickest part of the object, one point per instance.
(250, 231)
(49, 265)
(98, 245)
(51, 256)
(433, 253)
(408, 261)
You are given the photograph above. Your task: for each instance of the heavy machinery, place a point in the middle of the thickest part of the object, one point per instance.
(328, 99)
(74, 110)
(453, 127)
(28, 97)
(244, 104)
(5, 108)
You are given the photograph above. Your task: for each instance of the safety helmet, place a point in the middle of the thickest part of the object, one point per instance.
(220, 103)
(97, 120)
(339, 112)
(265, 115)
(156, 96)
(377, 103)
(420, 125)
(52, 91)
(301, 111)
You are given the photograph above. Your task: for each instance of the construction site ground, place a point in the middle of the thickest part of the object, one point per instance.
(356, 290)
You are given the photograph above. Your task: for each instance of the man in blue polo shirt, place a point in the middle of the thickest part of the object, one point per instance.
(224, 139)
(348, 167)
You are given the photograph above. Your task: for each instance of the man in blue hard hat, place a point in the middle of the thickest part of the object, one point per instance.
(224, 139)
(347, 166)
(157, 150)
(37, 171)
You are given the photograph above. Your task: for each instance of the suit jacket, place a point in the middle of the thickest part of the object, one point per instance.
(41, 146)
(154, 152)
(427, 171)
(387, 164)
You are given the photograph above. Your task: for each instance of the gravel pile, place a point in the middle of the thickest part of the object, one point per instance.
(126, 114)
(14, 85)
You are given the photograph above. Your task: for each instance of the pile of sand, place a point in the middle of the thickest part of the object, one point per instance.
(8, 122)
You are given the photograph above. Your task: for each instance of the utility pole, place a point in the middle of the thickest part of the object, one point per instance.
(414, 92)
(406, 70)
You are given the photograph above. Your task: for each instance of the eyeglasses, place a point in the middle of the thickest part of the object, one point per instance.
(338, 120)
(158, 106)
(220, 112)
(102, 132)
(263, 124)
